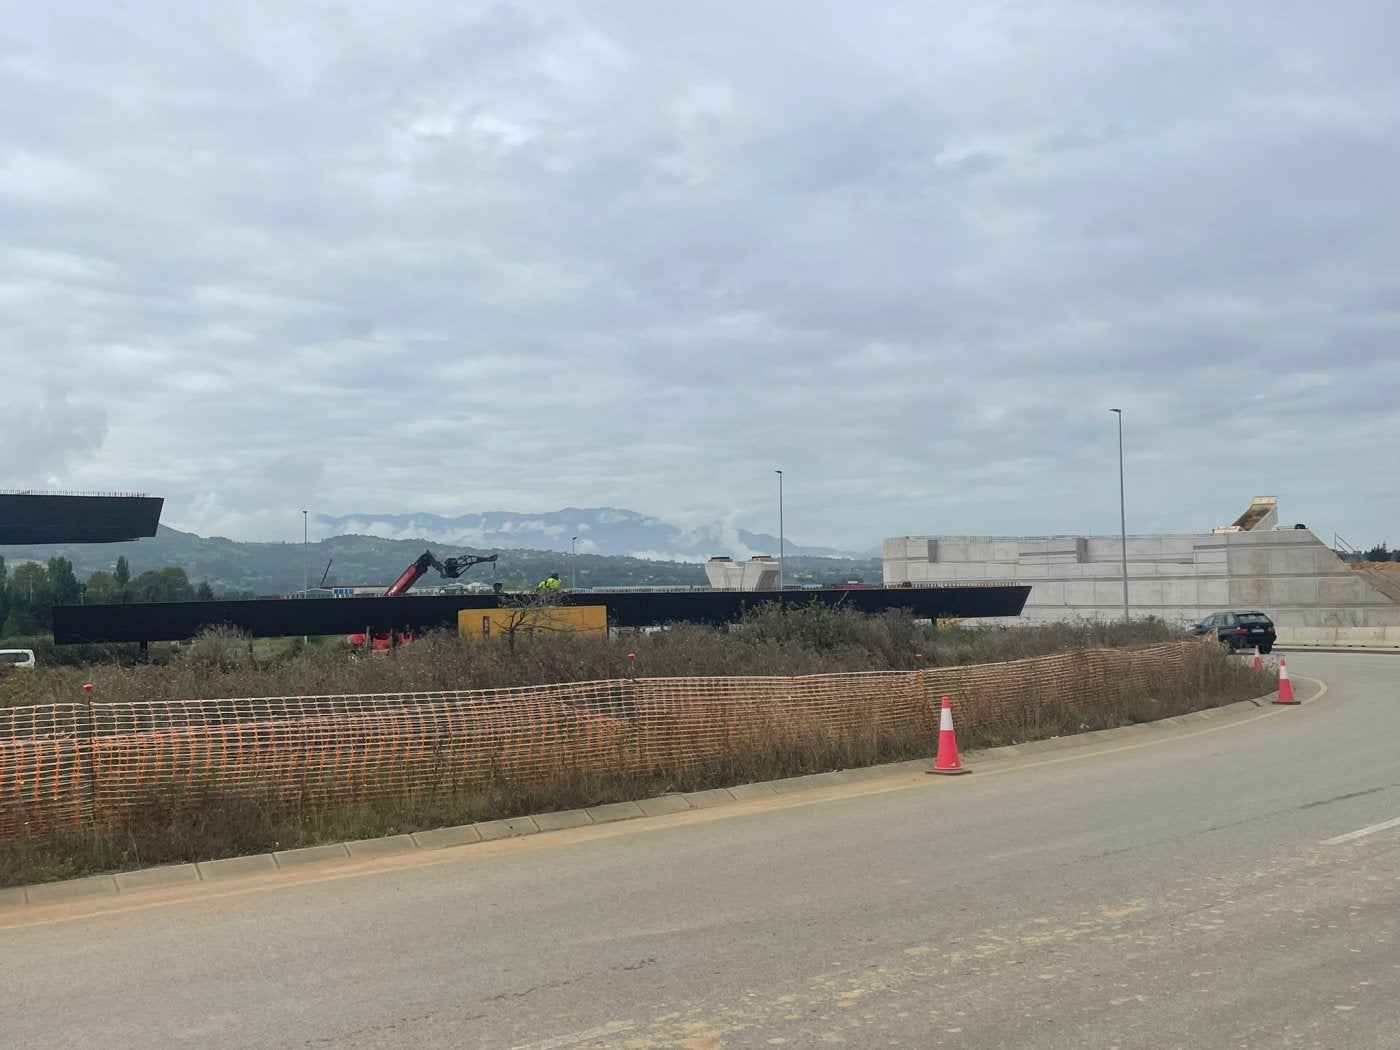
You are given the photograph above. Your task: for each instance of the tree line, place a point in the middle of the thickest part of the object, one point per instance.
(1380, 552)
(29, 591)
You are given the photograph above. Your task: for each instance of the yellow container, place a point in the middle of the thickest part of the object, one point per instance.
(533, 619)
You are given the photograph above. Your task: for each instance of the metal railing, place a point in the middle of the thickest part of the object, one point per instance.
(64, 492)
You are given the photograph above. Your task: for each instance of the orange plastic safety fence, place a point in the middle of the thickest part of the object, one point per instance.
(63, 766)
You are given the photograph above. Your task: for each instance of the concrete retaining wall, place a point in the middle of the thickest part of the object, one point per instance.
(1287, 573)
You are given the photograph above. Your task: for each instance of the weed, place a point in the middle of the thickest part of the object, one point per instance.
(720, 745)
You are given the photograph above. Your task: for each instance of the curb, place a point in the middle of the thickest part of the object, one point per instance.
(432, 839)
(1338, 648)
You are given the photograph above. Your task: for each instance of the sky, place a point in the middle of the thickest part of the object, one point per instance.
(398, 257)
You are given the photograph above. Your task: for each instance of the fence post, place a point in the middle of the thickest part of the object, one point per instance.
(924, 711)
(92, 754)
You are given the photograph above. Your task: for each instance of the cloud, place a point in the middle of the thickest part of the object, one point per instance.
(43, 432)
(453, 261)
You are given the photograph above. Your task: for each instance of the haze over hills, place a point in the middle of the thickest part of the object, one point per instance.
(529, 550)
(600, 530)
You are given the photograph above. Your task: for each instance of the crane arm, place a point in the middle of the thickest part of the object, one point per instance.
(454, 567)
(450, 569)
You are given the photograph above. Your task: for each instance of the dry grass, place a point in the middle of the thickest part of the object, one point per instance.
(768, 744)
(772, 641)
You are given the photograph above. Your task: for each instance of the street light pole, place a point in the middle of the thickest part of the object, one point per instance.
(781, 551)
(1122, 512)
(573, 565)
(305, 569)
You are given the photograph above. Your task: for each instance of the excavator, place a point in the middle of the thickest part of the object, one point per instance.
(450, 569)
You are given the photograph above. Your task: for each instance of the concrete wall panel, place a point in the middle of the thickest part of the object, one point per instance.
(1213, 595)
(903, 547)
(1343, 590)
(1145, 593)
(1110, 593)
(1246, 561)
(1292, 561)
(1079, 593)
(1250, 591)
(1293, 591)
(983, 571)
(1172, 568)
(1181, 593)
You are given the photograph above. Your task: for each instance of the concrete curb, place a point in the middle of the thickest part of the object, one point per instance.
(469, 834)
(1335, 648)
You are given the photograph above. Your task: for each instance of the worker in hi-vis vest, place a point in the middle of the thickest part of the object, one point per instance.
(550, 585)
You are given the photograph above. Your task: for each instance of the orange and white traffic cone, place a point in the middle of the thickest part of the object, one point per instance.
(1285, 687)
(1258, 660)
(947, 760)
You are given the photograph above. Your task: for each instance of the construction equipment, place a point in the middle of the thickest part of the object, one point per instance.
(383, 641)
(449, 569)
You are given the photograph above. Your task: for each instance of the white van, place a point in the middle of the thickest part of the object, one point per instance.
(17, 657)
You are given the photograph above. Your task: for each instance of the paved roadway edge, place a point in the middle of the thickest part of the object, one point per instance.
(174, 875)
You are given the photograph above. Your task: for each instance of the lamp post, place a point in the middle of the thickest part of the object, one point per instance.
(573, 564)
(1122, 512)
(305, 569)
(781, 545)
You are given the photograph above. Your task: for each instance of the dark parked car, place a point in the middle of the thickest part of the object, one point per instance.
(1240, 630)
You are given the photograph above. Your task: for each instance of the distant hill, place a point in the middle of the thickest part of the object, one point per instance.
(600, 530)
(232, 567)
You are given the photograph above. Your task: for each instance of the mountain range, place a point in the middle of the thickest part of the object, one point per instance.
(615, 549)
(598, 530)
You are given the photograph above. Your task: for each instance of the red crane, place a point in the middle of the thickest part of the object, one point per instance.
(449, 569)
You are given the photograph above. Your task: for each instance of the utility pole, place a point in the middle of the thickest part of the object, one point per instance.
(1122, 512)
(781, 544)
(305, 571)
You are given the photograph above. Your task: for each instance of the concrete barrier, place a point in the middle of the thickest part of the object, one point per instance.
(1378, 638)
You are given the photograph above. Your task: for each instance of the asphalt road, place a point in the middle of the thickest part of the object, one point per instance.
(1180, 887)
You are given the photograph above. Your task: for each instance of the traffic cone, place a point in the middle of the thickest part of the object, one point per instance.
(1285, 687)
(947, 760)
(1258, 660)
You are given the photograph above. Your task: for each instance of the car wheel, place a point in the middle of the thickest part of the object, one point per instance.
(1265, 650)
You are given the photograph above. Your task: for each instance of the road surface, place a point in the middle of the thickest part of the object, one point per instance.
(1225, 883)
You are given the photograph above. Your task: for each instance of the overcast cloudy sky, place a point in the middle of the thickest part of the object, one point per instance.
(392, 257)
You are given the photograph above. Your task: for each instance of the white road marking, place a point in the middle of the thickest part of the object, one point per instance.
(578, 1037)
(1385, 826)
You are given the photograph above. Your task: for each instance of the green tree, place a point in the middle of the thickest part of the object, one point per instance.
(204, 593)
(31, 596)
(17, 625)
(123, 573)
(102, 588)
(63, 585)
(170, 584)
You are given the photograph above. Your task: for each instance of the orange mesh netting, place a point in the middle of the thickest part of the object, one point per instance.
(61, 766)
